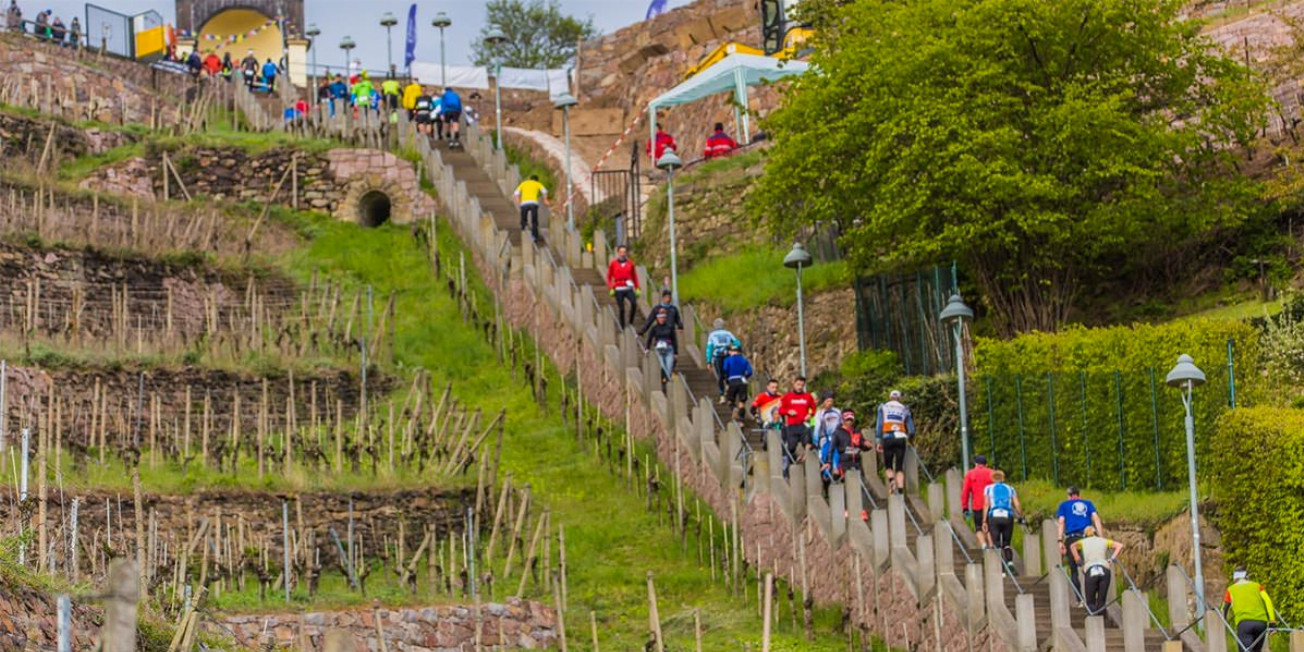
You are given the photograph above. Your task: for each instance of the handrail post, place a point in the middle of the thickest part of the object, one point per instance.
(1177, 613)
(1215, 639)
(1032, 553)
(1025, 611)
(1095, 634)
(1050, 545)
(1134, 622)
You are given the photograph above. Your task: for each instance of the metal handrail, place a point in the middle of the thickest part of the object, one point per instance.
(864, 489)
(1009, 571)
(922, 467)
(1227, 627)
(956, 538)
(905, 504)
(1144, 601)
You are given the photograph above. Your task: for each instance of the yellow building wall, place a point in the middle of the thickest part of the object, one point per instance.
(266, 43)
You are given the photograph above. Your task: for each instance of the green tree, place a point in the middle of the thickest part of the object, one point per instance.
(538, 34)
(1039, 144)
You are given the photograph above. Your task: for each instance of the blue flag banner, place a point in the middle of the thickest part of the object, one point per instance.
(655, 9)
(411, 53)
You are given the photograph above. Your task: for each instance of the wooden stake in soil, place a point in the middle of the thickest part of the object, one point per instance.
(654, 619)
(765, 627)
(593, 625)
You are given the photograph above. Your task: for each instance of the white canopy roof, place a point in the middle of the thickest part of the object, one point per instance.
(733, 73)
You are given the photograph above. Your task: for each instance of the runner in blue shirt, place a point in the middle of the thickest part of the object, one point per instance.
(1073, 517)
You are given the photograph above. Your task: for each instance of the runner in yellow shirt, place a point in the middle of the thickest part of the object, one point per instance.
(528, 195)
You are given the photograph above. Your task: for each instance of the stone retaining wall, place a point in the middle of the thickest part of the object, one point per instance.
(518, 624)
(331, 182)
(28, 620)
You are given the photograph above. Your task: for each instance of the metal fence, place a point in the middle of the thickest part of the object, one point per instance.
(1112, 430)
(109, 30)
(899, 313)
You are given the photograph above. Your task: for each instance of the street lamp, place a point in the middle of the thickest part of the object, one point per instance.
(564, 102)
(492, 40)
(1186, 376)
(312, 33)
(347, 44)
(388, 21)
(442, 21)
(670, 162)
(956, 312)
(797, 259)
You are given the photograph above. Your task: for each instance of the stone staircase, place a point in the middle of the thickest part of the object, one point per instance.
(919, 535)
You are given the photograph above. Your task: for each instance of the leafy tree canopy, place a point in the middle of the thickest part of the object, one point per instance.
(1040, 144)
(538, 34)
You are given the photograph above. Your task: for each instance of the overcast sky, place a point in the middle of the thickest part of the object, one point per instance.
(360, 19)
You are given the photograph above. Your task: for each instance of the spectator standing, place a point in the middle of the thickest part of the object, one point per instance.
(43, 25)
(1072, 519)
(1250, 608)
(212, 64)
(796, 407)
(894, 428)
(667, 304)
(971, 496)
(194, 63)
(339, 94)
(58, 32)
(717, 347)
(450, 108)
(228, 66)
(662, 142)
(737, 371)
(75, 33)
(663, 340)
(1095, 554)
(1002, 503)
(719, 144)
(622, 283)
(14, 17)
(324, 95)
(270, 70)
(528, 195)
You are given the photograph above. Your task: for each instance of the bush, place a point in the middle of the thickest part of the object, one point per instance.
(1258, 473)
(1090, 407)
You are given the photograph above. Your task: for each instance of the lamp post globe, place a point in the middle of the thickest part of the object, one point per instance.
(442, 22)
(670, 162)
(796, 259)
(312, 33)
(1186, 377)
(492, 39)
(955, 312)
(347, 44)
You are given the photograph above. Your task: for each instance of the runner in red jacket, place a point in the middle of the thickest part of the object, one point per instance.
(622, 283)
(795, 408)
(971, 496)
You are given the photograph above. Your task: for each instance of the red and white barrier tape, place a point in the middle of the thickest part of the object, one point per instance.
(638, 117)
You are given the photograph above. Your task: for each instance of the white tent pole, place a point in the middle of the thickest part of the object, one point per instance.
(741, 90)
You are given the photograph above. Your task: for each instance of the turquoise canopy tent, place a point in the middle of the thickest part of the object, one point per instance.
(733, 73)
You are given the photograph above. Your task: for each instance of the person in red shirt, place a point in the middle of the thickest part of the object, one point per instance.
(795, 408)
(663, 142)
(971, 496)
(719, 144)
(622, 283)
(212, 64)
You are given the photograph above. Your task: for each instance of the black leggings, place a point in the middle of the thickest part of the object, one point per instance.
(623, 296)
(718, 363)
(1251, 634)
(530, 218)
(737, 392)
(1001, 529)
(1097, 590)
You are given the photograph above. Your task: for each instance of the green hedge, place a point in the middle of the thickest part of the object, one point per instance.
(1258, 472)
(1090, 407)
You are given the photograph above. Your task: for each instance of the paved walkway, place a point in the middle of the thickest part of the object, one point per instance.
(556, 148)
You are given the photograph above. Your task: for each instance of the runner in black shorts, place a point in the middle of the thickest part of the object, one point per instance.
(894, 454)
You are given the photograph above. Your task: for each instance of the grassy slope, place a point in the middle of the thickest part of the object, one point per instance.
(611, 540)
(718, 281)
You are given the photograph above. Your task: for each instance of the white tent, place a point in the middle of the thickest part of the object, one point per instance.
(733, 73)
(555, 82)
